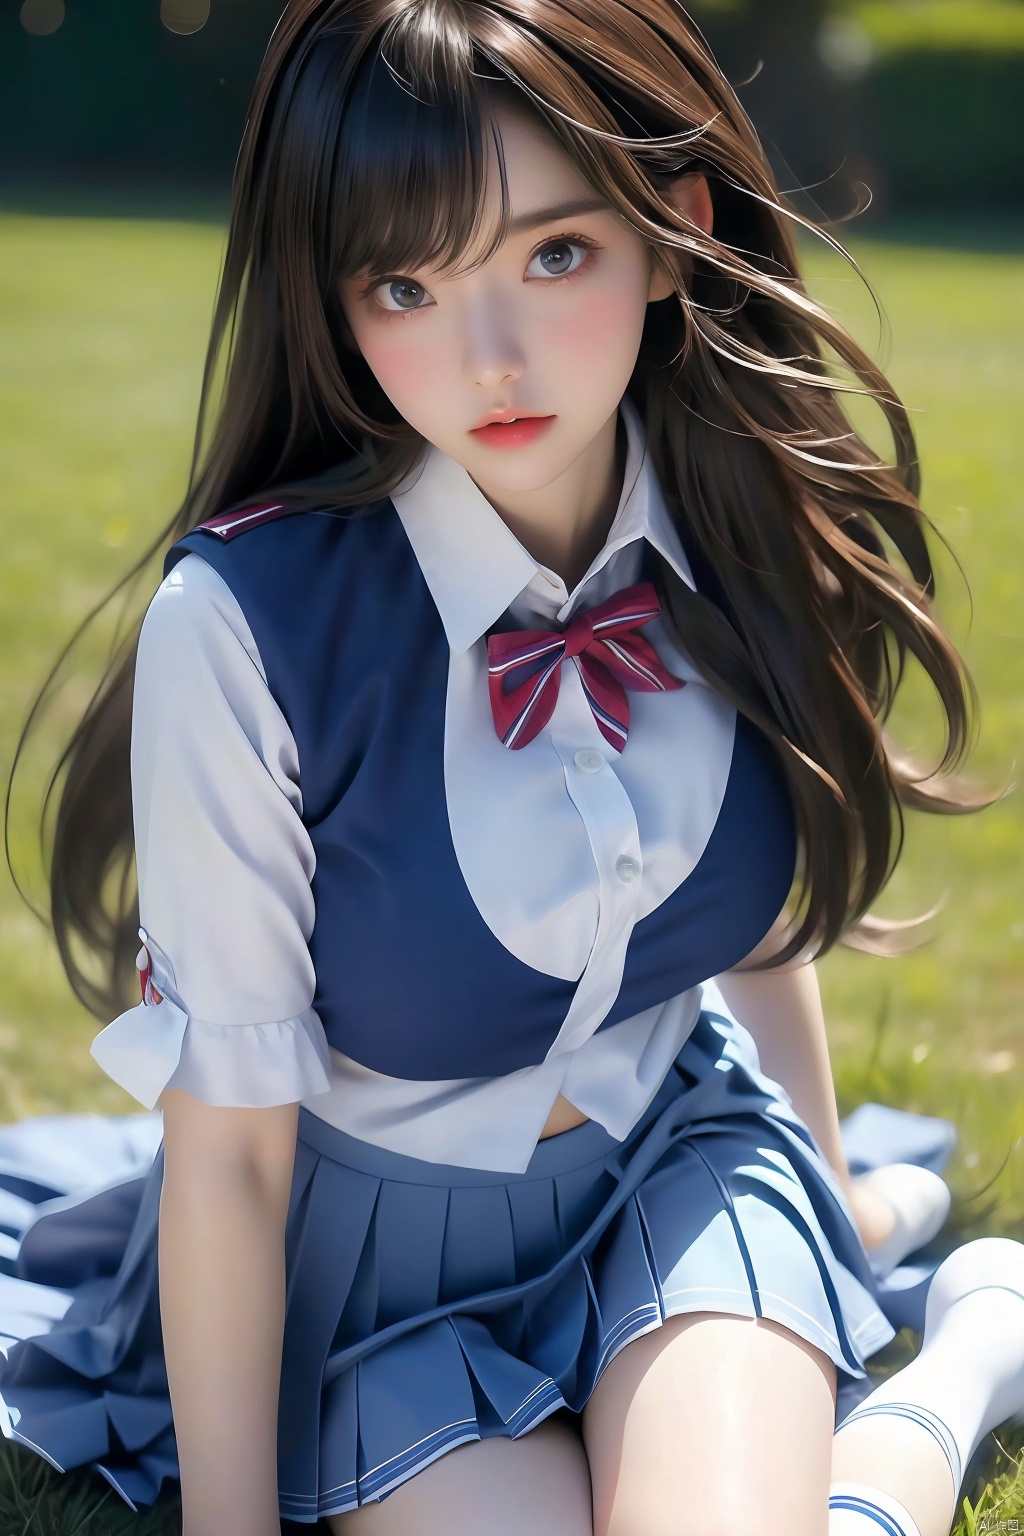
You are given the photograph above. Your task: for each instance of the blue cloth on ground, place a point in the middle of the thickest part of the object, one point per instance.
(873, 1135)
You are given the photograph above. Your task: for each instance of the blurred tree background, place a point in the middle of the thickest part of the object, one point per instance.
(917, 98)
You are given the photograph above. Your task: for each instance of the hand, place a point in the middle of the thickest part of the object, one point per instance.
(872, 1212)
(898, 1208)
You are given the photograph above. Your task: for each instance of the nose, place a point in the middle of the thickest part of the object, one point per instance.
(494, 350)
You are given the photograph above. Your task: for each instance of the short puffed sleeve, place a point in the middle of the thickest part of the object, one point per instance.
(224, 867)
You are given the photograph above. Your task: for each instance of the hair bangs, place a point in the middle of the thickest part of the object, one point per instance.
(409, 172)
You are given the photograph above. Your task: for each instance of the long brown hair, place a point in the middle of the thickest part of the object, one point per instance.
(365, 150)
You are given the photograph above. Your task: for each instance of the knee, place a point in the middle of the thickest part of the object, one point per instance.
(729, 1501)
(718, 1503)
(724, 1517)
(688, 1521)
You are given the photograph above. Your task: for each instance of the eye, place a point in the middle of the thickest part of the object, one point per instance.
(401, 293)
(558, 258)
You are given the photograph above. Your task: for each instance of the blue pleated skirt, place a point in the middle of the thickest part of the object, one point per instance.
(429, 1305)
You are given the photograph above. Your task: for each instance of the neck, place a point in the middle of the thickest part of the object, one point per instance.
(564, 524)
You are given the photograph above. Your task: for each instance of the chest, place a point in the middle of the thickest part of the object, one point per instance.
(479, 908)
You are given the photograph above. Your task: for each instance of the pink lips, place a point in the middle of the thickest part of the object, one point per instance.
(512, 434)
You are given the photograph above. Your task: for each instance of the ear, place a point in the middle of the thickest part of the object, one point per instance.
(692, 196)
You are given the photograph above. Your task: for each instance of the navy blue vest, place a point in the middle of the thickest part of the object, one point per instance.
(410, 980)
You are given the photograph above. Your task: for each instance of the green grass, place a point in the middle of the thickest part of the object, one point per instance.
(102, 328)
(35, 1500)
(103, 325)
(940, 1031)
(991, 25)
(895, 26)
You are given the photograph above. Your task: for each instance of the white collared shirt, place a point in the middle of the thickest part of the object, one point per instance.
(225, 862)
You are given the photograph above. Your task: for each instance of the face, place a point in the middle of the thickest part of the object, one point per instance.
(515, 368)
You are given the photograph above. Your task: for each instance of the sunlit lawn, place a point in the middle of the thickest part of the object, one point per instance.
(102, 326)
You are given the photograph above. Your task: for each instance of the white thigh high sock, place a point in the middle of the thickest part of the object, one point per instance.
(854, 1509)
(969, 1374)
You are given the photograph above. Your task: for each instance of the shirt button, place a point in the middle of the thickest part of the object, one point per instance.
(626, 868)
(589, 761)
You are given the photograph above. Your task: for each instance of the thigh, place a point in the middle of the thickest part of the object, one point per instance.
(539, 1484)
(712, 1424)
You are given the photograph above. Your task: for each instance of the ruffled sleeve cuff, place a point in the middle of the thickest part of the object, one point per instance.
(248, 1066)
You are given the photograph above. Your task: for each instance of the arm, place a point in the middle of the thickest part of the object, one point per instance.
(223, 1205)
(782, 1010)
(233, 1044)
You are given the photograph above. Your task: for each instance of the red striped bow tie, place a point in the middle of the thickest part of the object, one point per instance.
(524, 667)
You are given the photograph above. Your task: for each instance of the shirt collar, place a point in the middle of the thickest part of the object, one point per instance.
(474, 565)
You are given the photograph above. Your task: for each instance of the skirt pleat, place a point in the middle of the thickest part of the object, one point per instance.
(322, 1274)
(428, 1306)
(389, 1414)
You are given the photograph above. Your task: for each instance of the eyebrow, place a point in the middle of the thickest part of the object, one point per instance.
(555, 212)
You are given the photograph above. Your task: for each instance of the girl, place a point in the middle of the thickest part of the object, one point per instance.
(520, 664)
